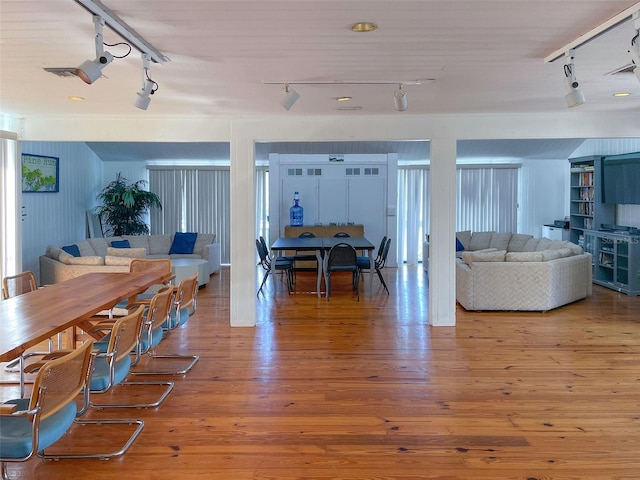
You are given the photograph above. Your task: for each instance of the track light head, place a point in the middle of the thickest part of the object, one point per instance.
(574, 96)
(634, 51)
(290, 97)
(91, 70)
(400, 99)
(149, 86)
(143, 97)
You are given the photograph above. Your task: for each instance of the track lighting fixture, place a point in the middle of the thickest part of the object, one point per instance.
(290, 97)
(149, 87)
(400, 99)
(574, 96)
(91, 70)
(634, 51)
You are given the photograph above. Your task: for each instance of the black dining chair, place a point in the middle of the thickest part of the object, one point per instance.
(305, 257)
(281, 264)
(379, 262)
(342, 235)
(342, 258)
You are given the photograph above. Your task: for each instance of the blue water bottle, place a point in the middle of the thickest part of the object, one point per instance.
(295, 212)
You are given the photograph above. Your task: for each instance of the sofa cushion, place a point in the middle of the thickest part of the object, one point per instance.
(500, 241)
(480, 240)
(552, 254)
(159, 244)
(183, 242)
(465, 238)
(100, 245)
(492, 256)
(113, 260)
(72, 250)
(201, 240)
(53, 252)
(543, 244)
(127, 252)
(137, 241)
(86, 260)
(523, 257)
(120, 244)
(518, 241)
(86, 250)
(459, 245)
(531, 245)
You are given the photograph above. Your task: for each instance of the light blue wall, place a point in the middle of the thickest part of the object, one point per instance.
(59, 218)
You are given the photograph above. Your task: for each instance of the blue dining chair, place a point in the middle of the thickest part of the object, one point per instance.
(30, 425)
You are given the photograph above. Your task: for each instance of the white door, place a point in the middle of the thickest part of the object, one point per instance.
(367, 206)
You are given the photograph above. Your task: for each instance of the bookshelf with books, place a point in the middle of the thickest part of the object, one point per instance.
(587, 212)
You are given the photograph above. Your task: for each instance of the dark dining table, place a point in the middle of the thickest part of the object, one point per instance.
(320, 245)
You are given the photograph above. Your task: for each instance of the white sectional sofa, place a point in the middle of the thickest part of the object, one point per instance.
(504, 271)
(97, 255)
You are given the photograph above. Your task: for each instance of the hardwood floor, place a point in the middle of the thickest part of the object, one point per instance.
(368, 390)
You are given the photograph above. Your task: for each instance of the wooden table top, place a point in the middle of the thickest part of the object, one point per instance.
(29, 319)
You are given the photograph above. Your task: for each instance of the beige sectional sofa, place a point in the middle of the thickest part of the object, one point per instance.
(505, 271)
(97, 255)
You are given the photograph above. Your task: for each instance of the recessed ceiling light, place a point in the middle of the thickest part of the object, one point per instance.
(621, 94)
(343, 99)
(363, 27)
(76, 98)
(355, 107)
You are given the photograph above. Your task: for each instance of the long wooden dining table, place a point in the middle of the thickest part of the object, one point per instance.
(320, 245)
(31, 318)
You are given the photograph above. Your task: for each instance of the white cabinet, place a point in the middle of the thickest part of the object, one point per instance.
(555, 233)
(336, 194)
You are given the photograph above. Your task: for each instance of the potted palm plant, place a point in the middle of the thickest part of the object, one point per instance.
(123, 206)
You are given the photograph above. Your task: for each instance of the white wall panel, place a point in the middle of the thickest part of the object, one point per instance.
(59, 218)
(543, 194)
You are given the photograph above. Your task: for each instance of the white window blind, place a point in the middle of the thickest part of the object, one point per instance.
(486, 199)
(193, 200)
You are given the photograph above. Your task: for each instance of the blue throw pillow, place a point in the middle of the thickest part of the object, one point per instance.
(72, 250)
(183, 242)
(459, 246)
(120, 244)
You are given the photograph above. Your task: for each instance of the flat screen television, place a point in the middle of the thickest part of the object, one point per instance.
(621, 179)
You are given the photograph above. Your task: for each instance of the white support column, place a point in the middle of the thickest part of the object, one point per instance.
(442, 278)
(243, 269)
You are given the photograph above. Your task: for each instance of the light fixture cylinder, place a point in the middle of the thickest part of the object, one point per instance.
(400, 100)
(290, 98)
(143, 97)
(91, 70)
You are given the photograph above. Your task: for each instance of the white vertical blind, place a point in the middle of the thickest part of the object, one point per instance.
(413, 213)
(9, 191)
(486, 199)
(262, 202)
(194, 200)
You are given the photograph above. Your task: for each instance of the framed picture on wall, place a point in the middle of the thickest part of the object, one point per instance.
(40, 173)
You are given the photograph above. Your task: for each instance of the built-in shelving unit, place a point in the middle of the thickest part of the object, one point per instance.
(587, 211)
(616, 260)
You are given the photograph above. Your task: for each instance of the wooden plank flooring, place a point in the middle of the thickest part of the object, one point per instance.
(368, 390)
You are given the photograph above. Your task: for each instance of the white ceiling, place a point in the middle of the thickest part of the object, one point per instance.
(484, 56)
